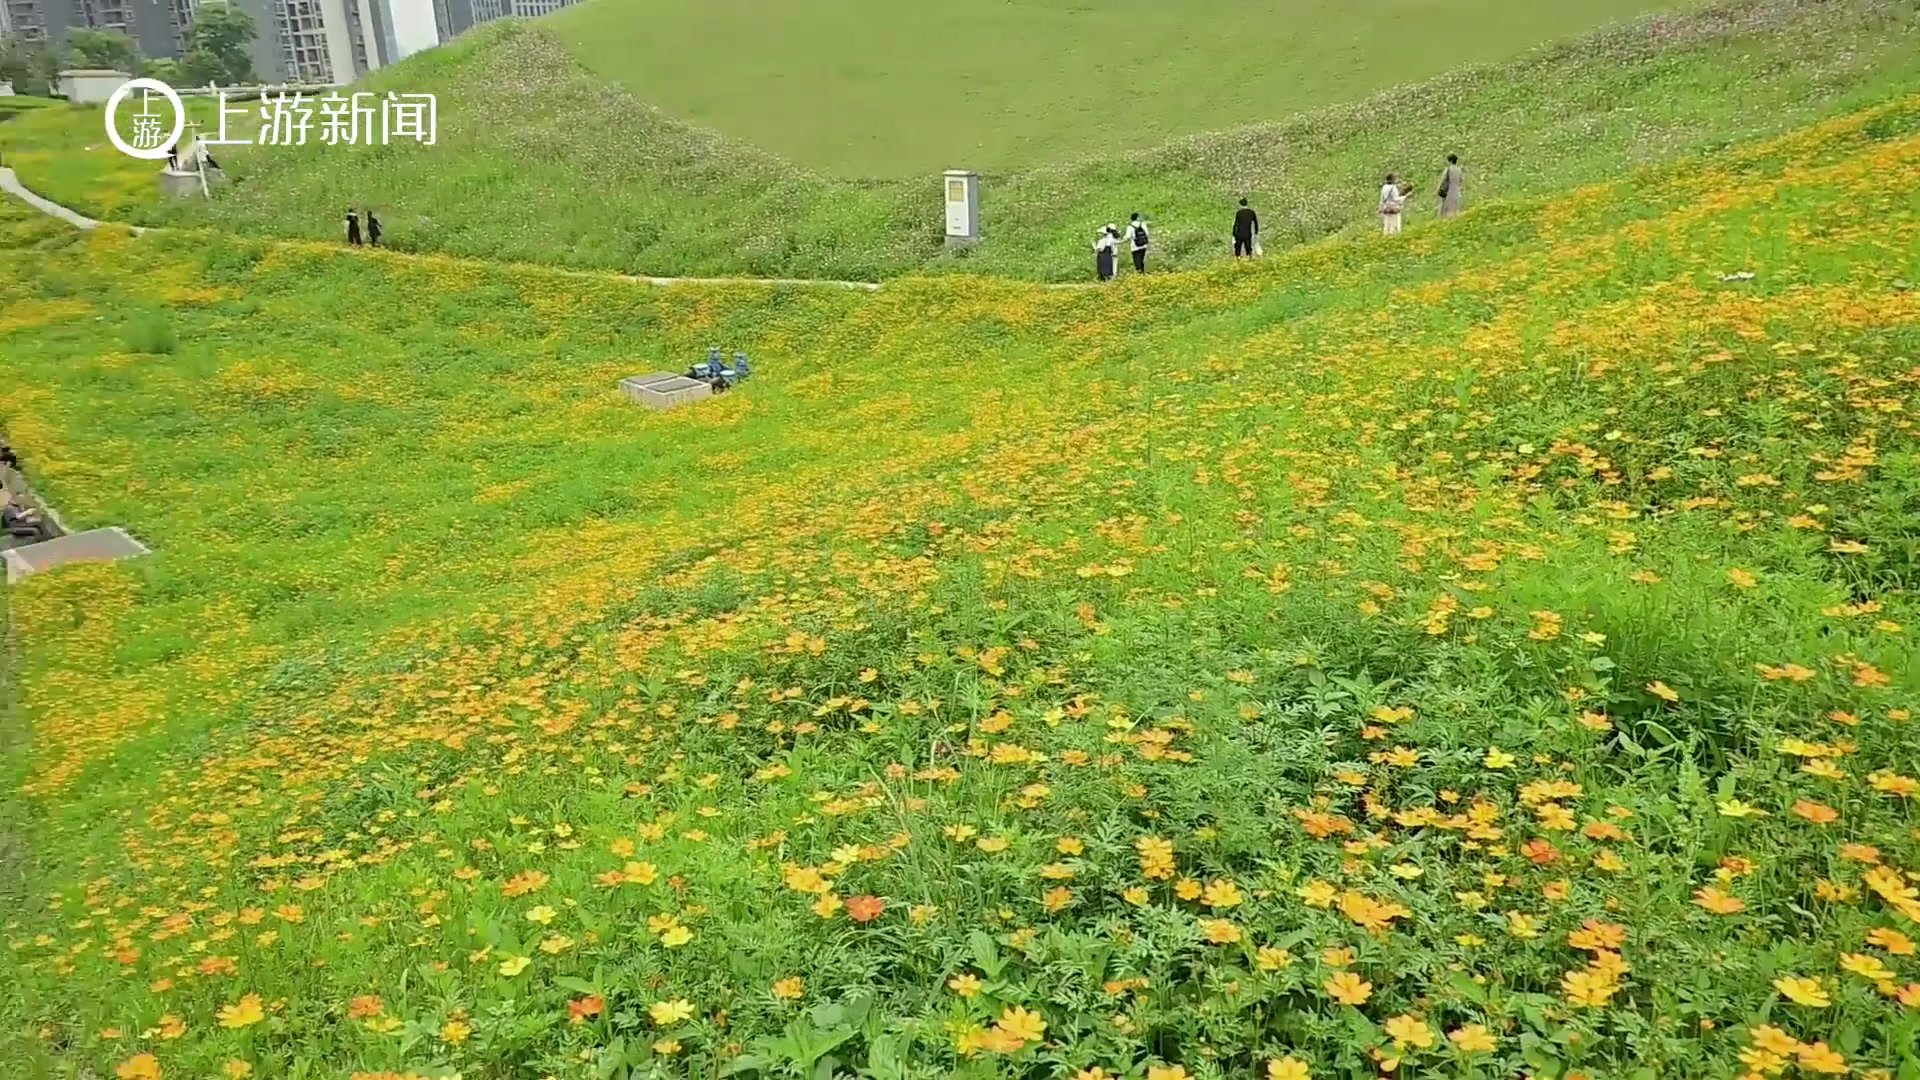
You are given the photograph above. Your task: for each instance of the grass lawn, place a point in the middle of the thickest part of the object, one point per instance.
(540, 160)
(1488, 651)
(878, 88)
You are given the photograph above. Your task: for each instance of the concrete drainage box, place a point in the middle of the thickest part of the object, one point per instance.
(663, 391)
(94, 545)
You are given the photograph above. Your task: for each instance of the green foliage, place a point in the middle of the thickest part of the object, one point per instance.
(166, 69)
(30, 66)
(218, 46)
(1514, 616)
(110, 49)
(541, 160)
(151, 333)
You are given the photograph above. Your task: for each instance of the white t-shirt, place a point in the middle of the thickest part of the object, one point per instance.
(1104, 243)
(1389, 199)
(1137, 232)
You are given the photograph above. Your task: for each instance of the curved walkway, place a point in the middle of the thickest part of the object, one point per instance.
(11, 184)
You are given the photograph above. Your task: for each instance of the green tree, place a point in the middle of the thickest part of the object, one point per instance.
(166, 69)
(100, 49)
(217, 46)
(28, 65)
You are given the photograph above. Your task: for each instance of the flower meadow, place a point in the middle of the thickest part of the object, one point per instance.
(1485, 652)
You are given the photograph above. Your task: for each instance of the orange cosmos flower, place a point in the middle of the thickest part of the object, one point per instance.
(1348, 988)
(1720, 903)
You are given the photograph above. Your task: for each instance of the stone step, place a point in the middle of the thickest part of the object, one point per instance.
(95, 545)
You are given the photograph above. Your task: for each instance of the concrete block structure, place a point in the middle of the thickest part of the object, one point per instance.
(661, 390)
(93, 546)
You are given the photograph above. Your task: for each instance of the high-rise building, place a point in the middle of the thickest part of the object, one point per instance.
(318, 41)
(36, 20)
(456, 17)
(411, 25)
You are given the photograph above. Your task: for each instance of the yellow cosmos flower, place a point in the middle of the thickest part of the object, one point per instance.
(1473, 1039)
(669, 1013)
(1803, 991)
(1288, 1068)
(1409, 1031)
(244, 1013)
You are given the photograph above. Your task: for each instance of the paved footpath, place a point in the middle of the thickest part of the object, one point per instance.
(11, 184)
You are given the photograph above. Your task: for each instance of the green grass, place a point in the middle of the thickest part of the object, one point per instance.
(542, 161)
(1442, 603)
(877, 88)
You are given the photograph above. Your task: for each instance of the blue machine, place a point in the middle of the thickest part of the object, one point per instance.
(717, 373)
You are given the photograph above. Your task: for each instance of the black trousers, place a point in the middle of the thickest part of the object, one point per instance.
(1140, 260)
(1242, 245)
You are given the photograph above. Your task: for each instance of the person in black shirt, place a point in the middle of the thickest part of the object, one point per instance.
(353, 228)
(373, 228)
(1246, 231)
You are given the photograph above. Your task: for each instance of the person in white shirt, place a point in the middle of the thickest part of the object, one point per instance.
(1103, 251)
(1392, 202)
(1137, 234)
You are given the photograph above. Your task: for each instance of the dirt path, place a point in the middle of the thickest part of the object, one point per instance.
(11, 184)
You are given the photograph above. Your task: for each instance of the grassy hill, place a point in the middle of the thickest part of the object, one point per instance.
(540, 160)
(1488, 652)
(876, 88)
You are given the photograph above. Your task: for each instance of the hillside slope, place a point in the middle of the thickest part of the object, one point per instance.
(877, 88)
(1486, 650)
(541, 161)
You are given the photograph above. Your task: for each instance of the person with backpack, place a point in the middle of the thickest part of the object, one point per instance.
(1137, 233)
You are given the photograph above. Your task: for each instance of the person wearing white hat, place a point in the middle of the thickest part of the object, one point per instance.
(1104, 251)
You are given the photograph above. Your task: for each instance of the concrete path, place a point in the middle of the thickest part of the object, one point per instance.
(11, 184)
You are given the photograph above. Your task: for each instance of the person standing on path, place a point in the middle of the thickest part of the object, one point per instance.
(1452, 183)
(1103, 251)
(1137, 233)
(1392, 201)
(373, 228)
(353, 228)
(1246, 231)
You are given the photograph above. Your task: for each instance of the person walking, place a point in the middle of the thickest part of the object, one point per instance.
(373, 228)
(1246, 232)
(1137, 234)
(353, 228)
(1452, 183)
(1392, 202)
(1104, 253)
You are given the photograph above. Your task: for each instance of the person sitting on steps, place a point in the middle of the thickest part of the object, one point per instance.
(23, 523)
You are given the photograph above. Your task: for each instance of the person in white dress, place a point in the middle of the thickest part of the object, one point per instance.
(1392, 202)
(1103, 252)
